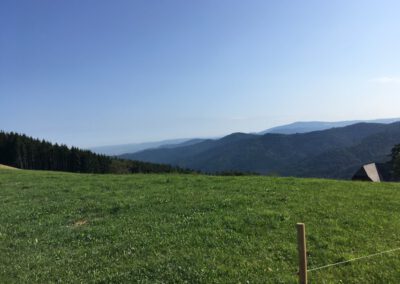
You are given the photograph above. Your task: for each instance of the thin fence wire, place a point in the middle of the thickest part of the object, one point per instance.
(351, 260)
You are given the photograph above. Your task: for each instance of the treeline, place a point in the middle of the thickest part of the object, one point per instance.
(396, 161)
(21, 151)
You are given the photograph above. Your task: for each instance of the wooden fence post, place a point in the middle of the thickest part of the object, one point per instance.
(301, 243)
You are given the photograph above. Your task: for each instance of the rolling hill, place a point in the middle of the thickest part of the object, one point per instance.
(332, 153)
(114, 150)
(310, 126)
(296, 127)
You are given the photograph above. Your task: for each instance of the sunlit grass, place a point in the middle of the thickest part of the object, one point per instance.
(59, 227)
(4, 167)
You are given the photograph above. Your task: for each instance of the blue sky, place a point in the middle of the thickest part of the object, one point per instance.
(91, 72)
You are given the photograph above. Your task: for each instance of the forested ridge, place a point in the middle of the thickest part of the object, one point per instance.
(334, 153)
(21, 151)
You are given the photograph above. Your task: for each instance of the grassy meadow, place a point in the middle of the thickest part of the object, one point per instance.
(82, 228)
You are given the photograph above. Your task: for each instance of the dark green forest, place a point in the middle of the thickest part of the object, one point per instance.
(21, 151)
(396, 160)
(333, 153)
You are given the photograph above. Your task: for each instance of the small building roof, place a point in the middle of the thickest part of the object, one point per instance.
(372, 172)
(368, 172)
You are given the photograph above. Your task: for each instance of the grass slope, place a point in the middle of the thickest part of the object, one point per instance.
(4, 167)
(59, 227)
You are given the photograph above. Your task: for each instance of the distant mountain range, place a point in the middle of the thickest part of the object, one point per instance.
(309, 126)
(331, 153)
(115, 150)
(296, 127)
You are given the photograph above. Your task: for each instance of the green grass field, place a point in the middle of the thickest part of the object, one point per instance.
(60, 227)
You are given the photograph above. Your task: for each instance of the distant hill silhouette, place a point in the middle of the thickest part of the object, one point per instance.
(296, 127)
(114, 150)
(310, 126)
(332, 153)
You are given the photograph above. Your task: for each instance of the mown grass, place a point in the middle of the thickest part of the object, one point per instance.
(59, 227)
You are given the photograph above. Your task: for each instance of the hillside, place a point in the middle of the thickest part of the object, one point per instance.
(23, 152)
(79, 228)
(292, 128)
(114, 150)
(333, 153)
(374, 148)
(4, 167)
(310, 126)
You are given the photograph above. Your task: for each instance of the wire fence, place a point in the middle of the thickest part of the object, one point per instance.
(302, 251)
(353, 259)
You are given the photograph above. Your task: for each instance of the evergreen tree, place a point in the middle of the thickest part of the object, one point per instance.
(396, 160)
(27, 153)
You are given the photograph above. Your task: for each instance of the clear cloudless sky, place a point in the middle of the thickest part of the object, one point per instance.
(93, 72)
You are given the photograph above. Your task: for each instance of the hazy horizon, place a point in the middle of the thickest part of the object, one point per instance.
(248, 132)
(99, 73)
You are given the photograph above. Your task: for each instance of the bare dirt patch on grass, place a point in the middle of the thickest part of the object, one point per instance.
(80, 223)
